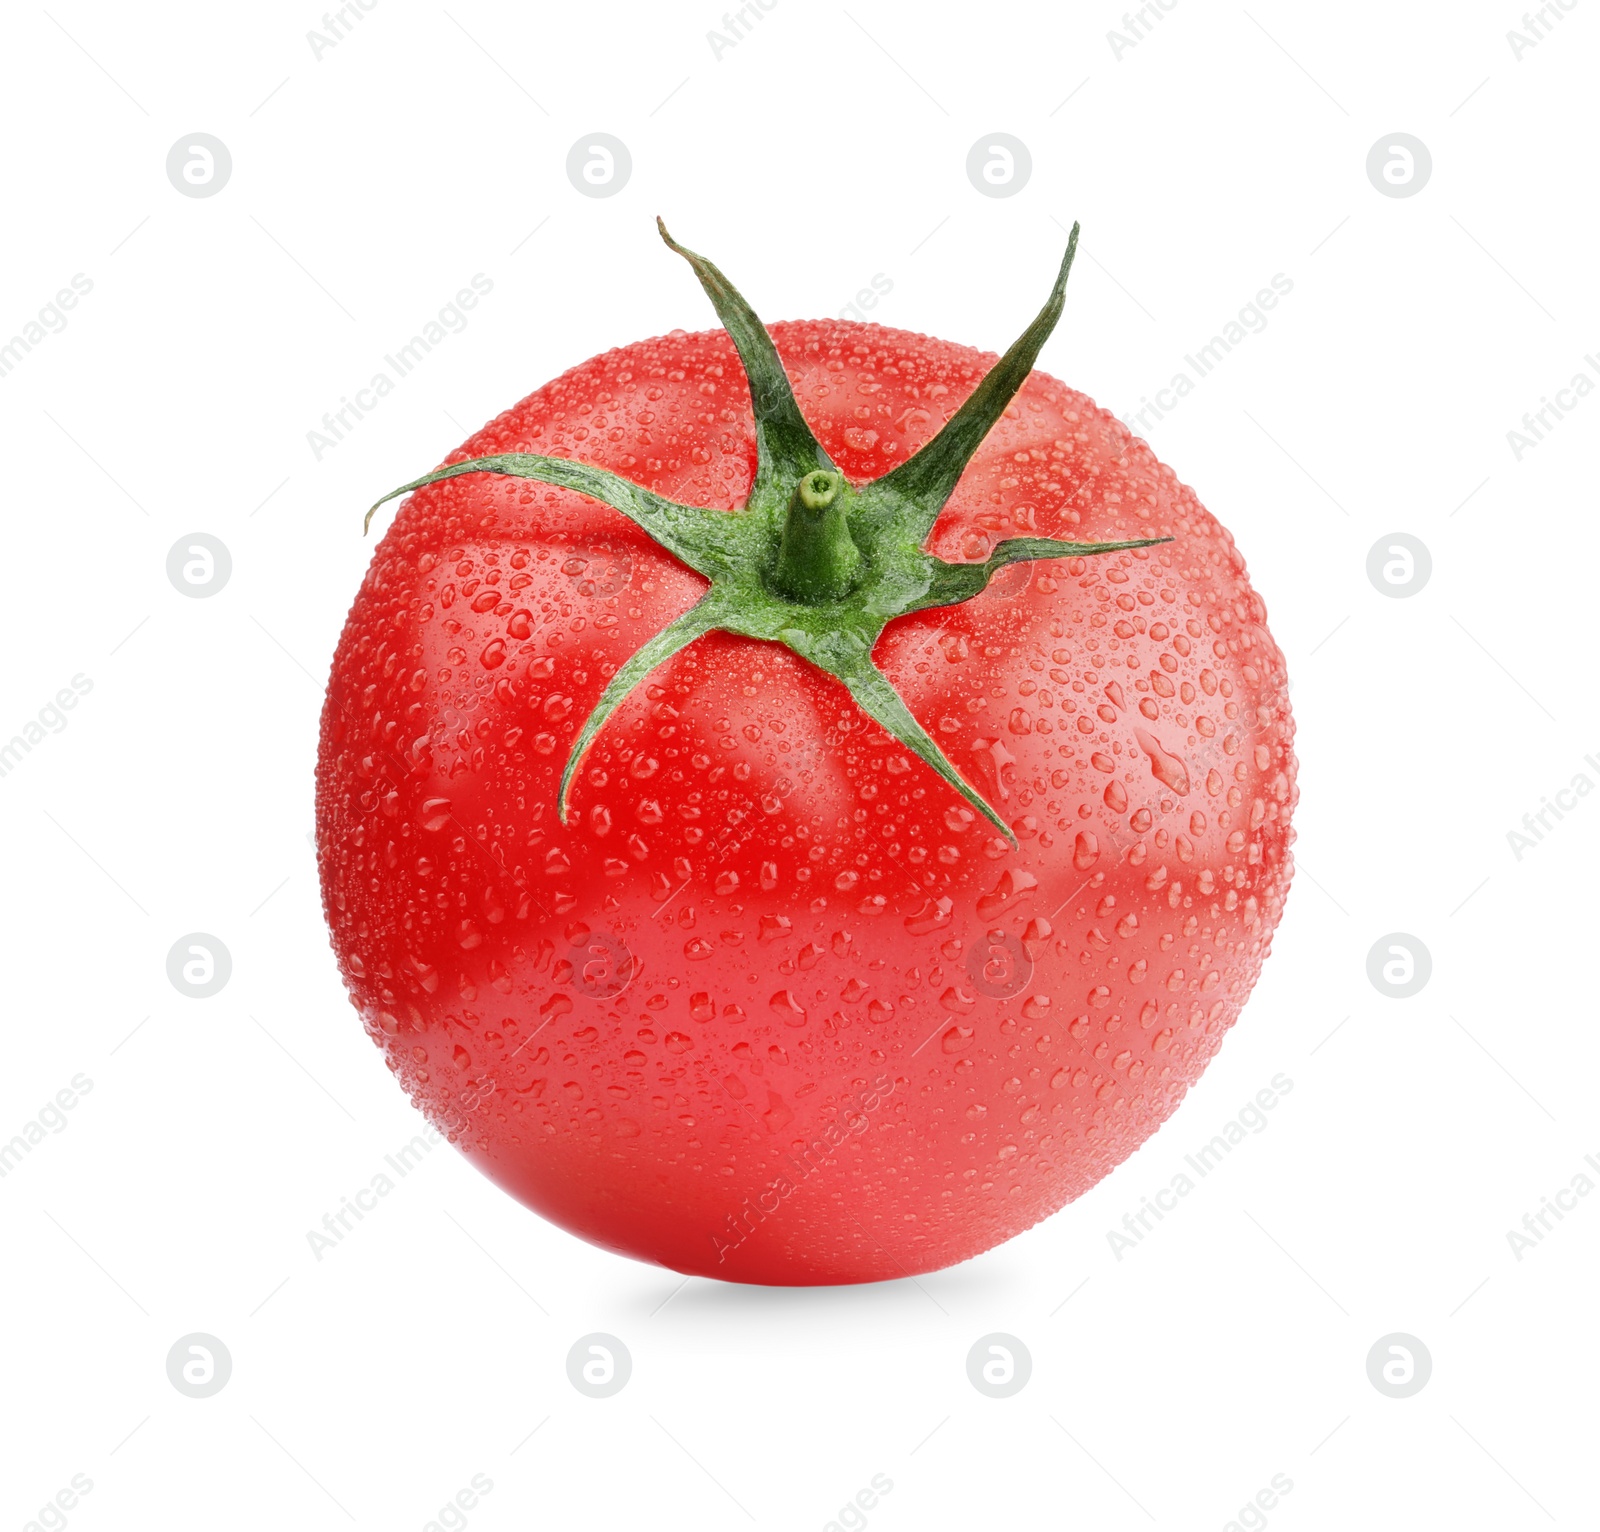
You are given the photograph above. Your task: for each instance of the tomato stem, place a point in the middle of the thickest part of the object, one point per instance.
(818, 559)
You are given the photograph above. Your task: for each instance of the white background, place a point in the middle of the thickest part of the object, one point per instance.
(1168, 1387)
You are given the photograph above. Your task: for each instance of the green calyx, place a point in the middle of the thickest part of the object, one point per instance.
(810, 562)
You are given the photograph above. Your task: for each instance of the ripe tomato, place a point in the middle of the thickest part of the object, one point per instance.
(780, 1002)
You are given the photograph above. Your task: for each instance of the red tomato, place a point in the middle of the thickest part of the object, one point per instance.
(779, 1005)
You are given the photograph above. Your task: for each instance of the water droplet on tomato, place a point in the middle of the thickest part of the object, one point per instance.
(788, 1009)
(1164, 767)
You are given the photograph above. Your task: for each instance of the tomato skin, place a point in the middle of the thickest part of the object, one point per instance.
(776, 1006)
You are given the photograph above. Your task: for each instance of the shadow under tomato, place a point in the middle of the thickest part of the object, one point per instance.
(978, 1280)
